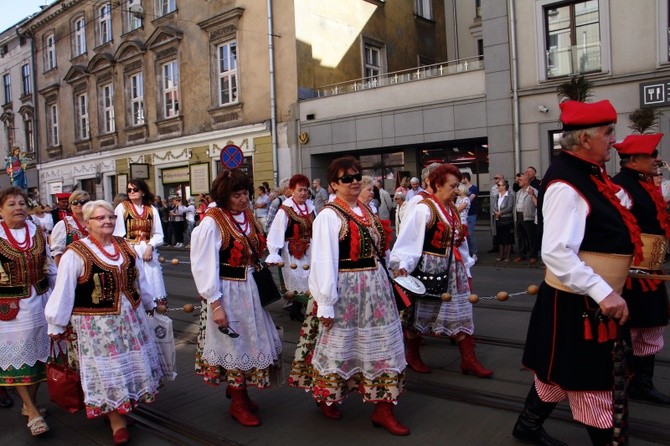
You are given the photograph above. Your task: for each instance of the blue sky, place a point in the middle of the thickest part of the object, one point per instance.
(12, 11)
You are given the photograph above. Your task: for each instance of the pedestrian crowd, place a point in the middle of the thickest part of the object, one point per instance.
(367, 272)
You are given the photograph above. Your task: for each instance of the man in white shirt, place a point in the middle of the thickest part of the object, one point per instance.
(588, 245)
(415, 188)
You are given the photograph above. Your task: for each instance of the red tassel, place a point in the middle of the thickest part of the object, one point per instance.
(629, 283)
(643, 285)
(588, 331)
(603, 336)
(355, 250)
(612, 329)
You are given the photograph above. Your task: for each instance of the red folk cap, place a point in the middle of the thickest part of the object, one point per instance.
(639, 145)
(583, 115)
(63, 195)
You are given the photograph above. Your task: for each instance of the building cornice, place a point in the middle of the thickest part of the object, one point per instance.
(47, 15)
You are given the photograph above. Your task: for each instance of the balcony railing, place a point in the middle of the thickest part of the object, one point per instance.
(400, 77)
(574, 60)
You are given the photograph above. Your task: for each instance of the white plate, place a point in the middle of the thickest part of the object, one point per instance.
(411, 284)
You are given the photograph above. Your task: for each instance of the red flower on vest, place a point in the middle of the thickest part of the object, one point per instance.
(355, 251)
(236, 253)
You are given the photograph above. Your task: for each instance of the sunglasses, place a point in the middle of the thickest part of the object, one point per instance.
(78, 202)
(229, 331)
(102, 218)
(346, 179)
(132, 189)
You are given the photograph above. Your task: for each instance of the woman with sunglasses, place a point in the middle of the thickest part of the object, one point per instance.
(291, 232)
(355, 306)
(71, 227)
(104, 297)
(429, 243)
(139, 222)
(238, 343)
(26, 274)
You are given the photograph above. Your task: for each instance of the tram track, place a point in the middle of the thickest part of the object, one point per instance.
(639, 428)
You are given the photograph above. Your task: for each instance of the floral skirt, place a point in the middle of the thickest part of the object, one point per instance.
(215, 375)
(333, 388)
(118, 360)
(443, 318)
(366, 336)
(302, 373)
(23, 376)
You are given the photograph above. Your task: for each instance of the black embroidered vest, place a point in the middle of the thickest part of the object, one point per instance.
(138, 228)
(21, 270)
(99, 288)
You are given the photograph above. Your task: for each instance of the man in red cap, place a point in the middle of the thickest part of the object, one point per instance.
(587, 249)
(63, 207)
(647, 298)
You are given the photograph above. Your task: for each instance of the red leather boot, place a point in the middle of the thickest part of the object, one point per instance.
(239, 410)
(253, 407)
(331, 411)
(413, 356)
(383, 417)
(469, 363)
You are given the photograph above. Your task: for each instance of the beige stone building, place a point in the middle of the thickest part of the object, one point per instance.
(153, 89)
(16, 116)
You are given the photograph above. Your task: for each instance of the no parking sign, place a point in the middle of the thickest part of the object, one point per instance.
(231, 156)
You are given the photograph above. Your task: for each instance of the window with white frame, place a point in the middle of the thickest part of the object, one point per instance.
(136, 92)
(107, 98)
(373, 60)
(28, 133)
(81, 107)
(227, 58)
(424, 8)
(7, 86)
(170, 89)
(105, 23)
(49, 52)
(134, 18)
(79, 37)
(165, 7)
(26, 86)
(572, 38)
(53, 137)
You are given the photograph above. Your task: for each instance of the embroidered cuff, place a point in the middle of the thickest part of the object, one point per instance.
(325, 311)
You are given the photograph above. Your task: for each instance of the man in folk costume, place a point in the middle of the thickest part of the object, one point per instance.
(647, 298)
(588, 244)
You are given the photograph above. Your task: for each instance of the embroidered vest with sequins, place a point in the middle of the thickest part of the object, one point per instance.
(72, 232)
(235, 253)
(298, 232)
(99, 288)
(138, 229)
(21, 270)
(437, 238)
(358, 253)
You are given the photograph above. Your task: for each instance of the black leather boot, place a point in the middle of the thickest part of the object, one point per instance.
(528, 427)
(599, 437)
(642, 386)
(295, 313)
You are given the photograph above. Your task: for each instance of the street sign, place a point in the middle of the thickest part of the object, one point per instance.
(231, 156)
(655, 94)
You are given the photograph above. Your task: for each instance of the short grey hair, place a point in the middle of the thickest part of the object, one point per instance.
(425, 172)
(283, 184)
(400, 195)
(91, 206)
(366, 181)
(570, 140)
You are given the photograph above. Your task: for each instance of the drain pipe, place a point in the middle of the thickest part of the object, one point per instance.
(273, 100)
(515, 88)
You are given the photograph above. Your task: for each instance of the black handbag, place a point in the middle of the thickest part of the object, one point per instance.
(267, 288)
